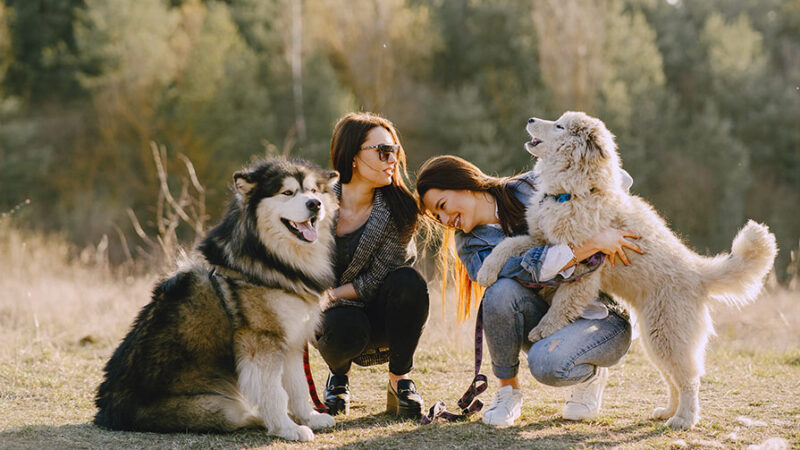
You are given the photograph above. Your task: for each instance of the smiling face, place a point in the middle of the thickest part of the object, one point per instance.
(368, 167)
(287, 205)
(575, 133)
(300, 207)
(544, 135)
(576, 153)
(460, 209)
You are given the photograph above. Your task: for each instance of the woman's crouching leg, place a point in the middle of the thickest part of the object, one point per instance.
(404, 293)
(509, 311)
(344, 334)
(573, 354)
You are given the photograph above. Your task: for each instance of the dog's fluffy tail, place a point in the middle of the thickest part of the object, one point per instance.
(737, 278)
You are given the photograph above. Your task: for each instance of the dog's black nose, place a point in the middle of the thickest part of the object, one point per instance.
(313, 204)
(531, 120)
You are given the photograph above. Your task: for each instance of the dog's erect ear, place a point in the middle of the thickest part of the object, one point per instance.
(332, 175)
(244, 183)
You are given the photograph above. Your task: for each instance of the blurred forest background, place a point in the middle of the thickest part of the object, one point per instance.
(703, 95)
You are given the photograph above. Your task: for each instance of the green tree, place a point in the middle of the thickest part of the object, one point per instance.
(217, 111)
(728, 74)
(266, 26)
(43, 49)
(130, 52)
(5, 44)
(369, 47)
(702, 96)
(631, 97)
(485, 84)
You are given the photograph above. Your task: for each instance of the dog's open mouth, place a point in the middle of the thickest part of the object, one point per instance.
(530, 145)
(305, 231)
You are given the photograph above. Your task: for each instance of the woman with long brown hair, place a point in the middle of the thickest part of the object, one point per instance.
(479, 211)
(380, 303)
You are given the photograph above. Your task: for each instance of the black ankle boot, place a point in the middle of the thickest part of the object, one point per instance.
(337, 394)
(406, 401)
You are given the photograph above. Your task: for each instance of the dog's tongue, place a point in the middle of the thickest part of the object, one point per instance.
(309, 233)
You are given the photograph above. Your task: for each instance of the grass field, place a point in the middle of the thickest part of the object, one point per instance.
(61, 316)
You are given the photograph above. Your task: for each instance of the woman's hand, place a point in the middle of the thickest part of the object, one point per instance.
(347, 291)
(611, 242)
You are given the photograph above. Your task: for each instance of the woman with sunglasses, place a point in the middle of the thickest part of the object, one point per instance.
(380, 303)
(482, 211)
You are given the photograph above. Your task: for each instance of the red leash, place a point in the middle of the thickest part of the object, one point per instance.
(312, 389)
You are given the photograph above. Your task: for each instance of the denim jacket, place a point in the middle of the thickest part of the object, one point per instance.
(475, 246)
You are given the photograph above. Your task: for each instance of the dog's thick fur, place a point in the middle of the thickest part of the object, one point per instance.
(220, 345)
(668, 287)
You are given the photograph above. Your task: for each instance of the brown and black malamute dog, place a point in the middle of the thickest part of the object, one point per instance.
(220, 345)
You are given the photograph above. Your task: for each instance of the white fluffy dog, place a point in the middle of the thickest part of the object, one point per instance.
(578, 194)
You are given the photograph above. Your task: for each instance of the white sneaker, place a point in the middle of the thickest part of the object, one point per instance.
(585, 399)
(505, 409)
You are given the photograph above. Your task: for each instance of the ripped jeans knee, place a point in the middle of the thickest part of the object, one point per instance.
(572, 354)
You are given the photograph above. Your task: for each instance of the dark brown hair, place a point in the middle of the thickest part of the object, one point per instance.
(449, 172)
(453, 173)
(349, 135)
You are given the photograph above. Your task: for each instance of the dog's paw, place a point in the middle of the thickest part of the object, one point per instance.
(535, 335)
(320, 420)
(487, 275)
(679, 422)
(300, 433)
(544, 329)
(662, 412)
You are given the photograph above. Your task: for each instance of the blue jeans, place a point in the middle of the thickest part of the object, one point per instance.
(567, 357)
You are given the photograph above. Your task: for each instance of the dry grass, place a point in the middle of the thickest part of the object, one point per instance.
(61, 316)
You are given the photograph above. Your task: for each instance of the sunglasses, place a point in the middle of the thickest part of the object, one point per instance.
(384, 150)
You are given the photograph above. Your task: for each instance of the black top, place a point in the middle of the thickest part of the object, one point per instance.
(346, 245)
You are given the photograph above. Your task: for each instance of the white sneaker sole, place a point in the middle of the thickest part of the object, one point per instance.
(578, 413)
(499, 423)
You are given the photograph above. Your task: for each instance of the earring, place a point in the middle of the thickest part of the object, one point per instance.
(354, 164)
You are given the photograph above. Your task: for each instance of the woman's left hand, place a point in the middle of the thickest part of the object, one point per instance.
(611, 242)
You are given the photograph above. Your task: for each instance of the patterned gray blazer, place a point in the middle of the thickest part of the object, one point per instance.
(380, 250)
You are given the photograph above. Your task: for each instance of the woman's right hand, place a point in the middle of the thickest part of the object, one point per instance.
(611, 242)
(347, 291)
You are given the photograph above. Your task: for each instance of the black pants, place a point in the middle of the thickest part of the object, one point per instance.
(394, 318)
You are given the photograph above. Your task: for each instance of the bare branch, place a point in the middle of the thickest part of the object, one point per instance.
(192, 173)
(289, 141)
(138, 228)
(162, 176)
(124, 242)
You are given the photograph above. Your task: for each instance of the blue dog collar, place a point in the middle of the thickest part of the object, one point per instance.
(560, 198)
